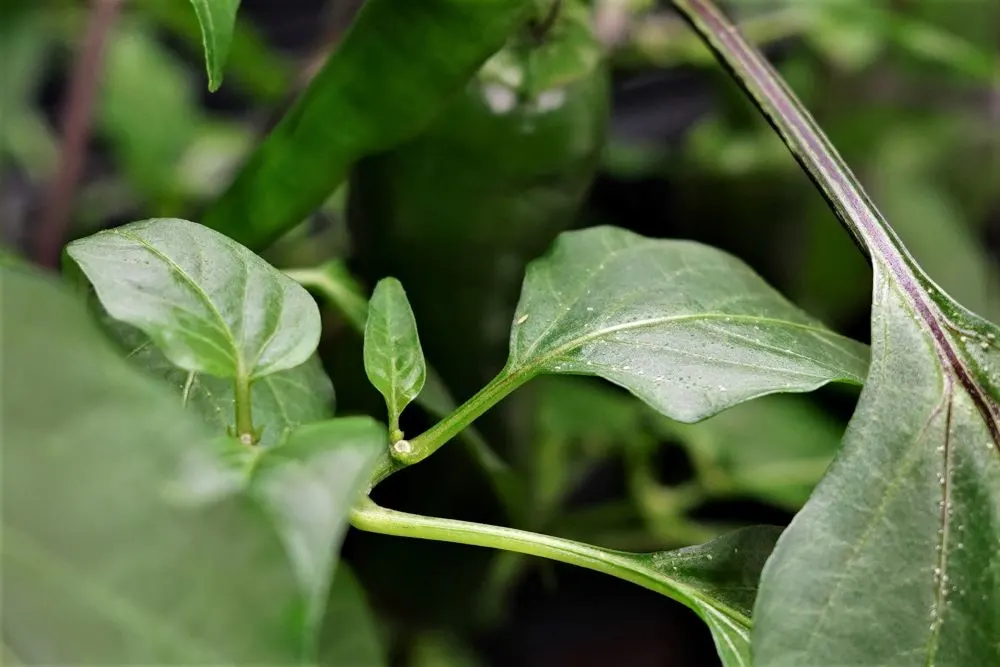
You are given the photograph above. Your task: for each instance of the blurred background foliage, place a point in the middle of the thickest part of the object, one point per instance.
(908, 90)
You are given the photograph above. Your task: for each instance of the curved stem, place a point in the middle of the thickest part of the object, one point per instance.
(370, 517)
(432, 439)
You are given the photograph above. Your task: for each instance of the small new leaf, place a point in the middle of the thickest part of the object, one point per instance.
(394, 361)
(217, 19)
(210, 304)
(689, 329)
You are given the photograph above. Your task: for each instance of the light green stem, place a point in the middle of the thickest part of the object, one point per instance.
(370, 517)
(244, 414)
(432, 439)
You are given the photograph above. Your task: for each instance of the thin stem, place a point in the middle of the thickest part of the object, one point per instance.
(370, 517)
(431, 440)
(244, 413)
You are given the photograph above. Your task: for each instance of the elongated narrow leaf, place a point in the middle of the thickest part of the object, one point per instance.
(280, 402)
(394, 361)
(893, 560)
(717, 580)
(308, 485)
(689, 329)
(210, 304)
(102, 563)
(396, 67)
(217, 19)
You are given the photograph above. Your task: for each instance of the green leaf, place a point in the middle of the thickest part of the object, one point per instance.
(144, 551)
(385, 83)
(394, 361)
(280, 402)
(350, 636)
(217, 19)
(775, 449)
(689, 329)
(439, 650)
(307, 486)
(893, 559)
(210, 304)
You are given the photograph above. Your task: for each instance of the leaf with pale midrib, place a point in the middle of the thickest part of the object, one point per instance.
(394, 361)
(689, 329)
(217, 19)
(893, 561)
(210, 304)
(111, 555)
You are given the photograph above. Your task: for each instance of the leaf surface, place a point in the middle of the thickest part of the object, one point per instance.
(210, 304)
(394, 361)
(394, 70)
(688, 329)
(893, 559)
(146, 550)
(218, 20)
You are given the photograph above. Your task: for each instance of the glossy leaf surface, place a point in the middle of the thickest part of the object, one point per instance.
(394, 70)
(394, 361)
(113, 568)
(689, 329)
(280, 402)
(217, 19)
(893, 560)
(210, 304)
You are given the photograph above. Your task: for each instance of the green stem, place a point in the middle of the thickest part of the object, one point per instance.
(370, 517)
(431, 440)
(244, 415)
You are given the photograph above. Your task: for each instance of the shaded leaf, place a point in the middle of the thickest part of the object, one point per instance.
(112, 568)
(394, 361)
(280, 401)
(385, 83)
(774, 449)
(893, 559)
(689, 329)
(210, 304)
(217, 19)
(438, 650)
(350, 636)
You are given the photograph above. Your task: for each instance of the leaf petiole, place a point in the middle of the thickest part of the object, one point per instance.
(243, 407)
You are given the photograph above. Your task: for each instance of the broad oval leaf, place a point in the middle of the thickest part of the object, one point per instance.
(152, 571)
(280, 402)
(689, 329)
(344, 116)
(350, 636)
(394, 361)
(893, 561)
(210, 304)
(217, 19)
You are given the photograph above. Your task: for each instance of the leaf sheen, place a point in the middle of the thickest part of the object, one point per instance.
(218, 20)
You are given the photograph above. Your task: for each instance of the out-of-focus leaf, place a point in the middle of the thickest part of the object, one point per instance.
(121, 564)
(350, 637)
(210, 304)
(689, 329)
(396, 67)
(217, 19)
(774, 449)
(436, 650)
(394, 361)
(147, 110)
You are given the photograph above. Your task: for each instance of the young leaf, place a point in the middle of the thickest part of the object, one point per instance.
(893, 560)
(210, 304)
(689, 329)
(717, 580)
(144, 550)
(280, 402)
(384, 84)
(217, 19)
(394, 361)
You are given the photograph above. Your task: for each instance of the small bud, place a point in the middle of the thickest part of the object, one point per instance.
(402, 447)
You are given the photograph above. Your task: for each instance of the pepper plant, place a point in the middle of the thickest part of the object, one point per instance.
(241, 490)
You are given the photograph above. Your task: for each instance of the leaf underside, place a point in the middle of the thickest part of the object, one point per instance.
(893, 561)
